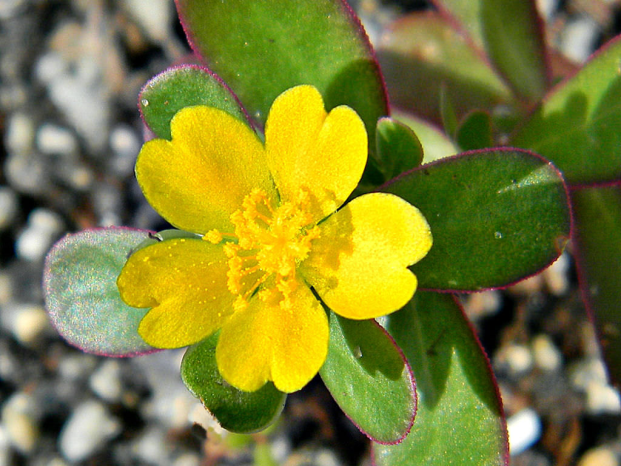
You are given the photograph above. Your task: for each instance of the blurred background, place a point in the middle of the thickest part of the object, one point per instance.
(70, 74)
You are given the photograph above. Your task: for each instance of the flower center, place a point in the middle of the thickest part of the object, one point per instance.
(267, 247)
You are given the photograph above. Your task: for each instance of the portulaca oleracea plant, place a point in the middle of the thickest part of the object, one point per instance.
(302, 211)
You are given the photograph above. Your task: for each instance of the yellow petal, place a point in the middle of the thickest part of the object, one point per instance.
(359, 264)
(184, 282)
(308, 149)
(197, 180)
(266, 342)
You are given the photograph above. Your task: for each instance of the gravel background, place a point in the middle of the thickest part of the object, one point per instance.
(70, 72)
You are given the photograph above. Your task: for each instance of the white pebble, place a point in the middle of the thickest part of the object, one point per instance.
(150, 447)
(27, 172)
(155, 17)
(76, 366)
(518, 358)
(199, 415)
(588, 371)
(546, 355)
(547, 8)
(556, 276)
(600, 456)
(46, 220)
(125, 145)
(19, 135)
(49, 67)
(53, 139)
(578, 38)
(524, 430)
(87, 430)
(106, 381)
(27, 322)
(188, 459)
(19, 419)
(83, 99)
(35, 240)
(31, 245)
(602, 399)
(10, 8)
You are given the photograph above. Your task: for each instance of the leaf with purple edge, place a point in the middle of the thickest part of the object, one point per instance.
(367, 375)
(577, 125)
(398, 148)
(597, 214)
(460, 418)
(421, 53)
(236, 411)
(183, 86)
(81, 295)
(511, 33)
(497, 216)
(261, 48)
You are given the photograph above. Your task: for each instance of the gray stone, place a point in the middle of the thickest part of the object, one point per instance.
(87, 430)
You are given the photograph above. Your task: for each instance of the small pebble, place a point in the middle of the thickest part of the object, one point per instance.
(556, 276)
(483, 304)
(125, 145)
(19, 135)
(155, 17)
(10, 8)
(28, 173)
(87, 430)
(106, 381)
(547, 8)
(602, 399)
(187, 459)
(76, 366)
(27, 322)
(600, 456)
(524, 430)
(517, 358)
(44, 226)
(578, 38)
(53, 139)
(151, 447)
(20, 422)
(546, 355)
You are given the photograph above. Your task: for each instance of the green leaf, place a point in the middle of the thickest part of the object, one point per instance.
(475, 131)
(459, 418)
(261, 48)
(422, 53)
(597, 215)
(179, 87)
(369, 379)
(577, 127)
(496, 217)
(237, 411)
(436, 145)
(398, 148)
(510, 31)
(448, 112)
(81, 295)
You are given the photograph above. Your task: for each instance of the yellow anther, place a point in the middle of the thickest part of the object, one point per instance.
(213, 236)
(270, 240)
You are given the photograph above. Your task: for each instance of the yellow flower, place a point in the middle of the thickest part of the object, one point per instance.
(273, 237)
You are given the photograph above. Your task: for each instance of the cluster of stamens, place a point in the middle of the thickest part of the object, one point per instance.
(267, 246)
